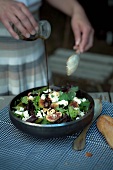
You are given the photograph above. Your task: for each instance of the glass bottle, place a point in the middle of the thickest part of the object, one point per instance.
(44, 31)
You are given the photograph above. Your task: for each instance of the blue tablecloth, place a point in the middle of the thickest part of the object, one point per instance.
(19, 151)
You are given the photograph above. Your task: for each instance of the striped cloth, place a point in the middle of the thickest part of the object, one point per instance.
(22, 63)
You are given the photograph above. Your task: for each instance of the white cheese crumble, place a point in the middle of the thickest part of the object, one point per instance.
(63, 102)
(81, 114)
(77, 100)
(39, 115)
(26, 115)
(77, 118)
(54, 96)
(83, 100)
(46, 91)
(43, 113)
(43, 96)
(30, 98)
(18, 112)
(21, 109)
(76, 108)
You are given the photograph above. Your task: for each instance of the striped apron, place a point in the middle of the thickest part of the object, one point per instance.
(22, 63)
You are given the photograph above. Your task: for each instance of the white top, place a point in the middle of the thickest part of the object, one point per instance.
(22, 63)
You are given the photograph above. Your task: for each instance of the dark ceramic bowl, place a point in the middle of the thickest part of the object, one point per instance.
(52, 130)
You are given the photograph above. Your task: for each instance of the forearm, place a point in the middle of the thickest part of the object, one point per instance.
(68, 7)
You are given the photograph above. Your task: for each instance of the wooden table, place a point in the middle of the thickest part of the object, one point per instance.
(5, 100)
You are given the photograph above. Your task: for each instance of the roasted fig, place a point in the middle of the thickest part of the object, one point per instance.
(41, 103)
(53, 117)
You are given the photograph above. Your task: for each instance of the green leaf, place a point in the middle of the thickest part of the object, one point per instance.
(71, 95)
(35, 103)
(68, 95)
(39, 120)
(19, 116)
(64, 96)
(41, 90)
(62, 110)
(17, 107)
(72, 112)
(24, 100)
(74, 89)
(84, 106)
(36, 99)
(45, 121)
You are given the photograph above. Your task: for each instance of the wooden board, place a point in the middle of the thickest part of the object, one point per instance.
(103, 95)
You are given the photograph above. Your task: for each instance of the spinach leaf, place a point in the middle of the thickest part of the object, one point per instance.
(68, 96)
(64, 96)
(41, 90)
(45, 121)
(74, 89)
(61, 109)
(19, 116)
(73, 112)
(84, 106)
(35, 103)
(24, 100)
(71, 95)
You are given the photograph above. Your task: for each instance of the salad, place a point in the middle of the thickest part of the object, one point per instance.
(48, 106)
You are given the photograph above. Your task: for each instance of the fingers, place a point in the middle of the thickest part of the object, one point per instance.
(11, 31)
(86, 39)
(83, 32)
(24, 20)
(31, 18)
(90, 42)
(17, 13)
(77, 35)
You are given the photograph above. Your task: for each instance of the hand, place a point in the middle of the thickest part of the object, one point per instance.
(12, 12)
(83, 31)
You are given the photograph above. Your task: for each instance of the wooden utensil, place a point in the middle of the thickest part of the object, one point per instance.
(80, 141)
